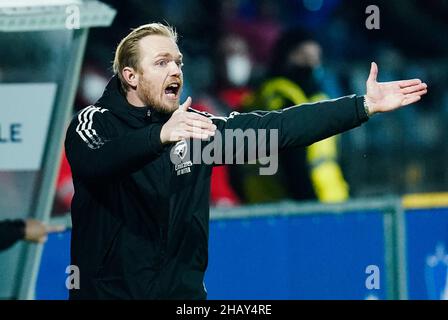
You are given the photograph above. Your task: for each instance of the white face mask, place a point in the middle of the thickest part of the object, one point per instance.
(238, 68)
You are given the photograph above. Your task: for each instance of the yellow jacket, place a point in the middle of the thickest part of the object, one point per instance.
(326, 175)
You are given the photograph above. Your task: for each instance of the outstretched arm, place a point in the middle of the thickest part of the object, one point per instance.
(309, 123)
(299, 125)
(379, 97)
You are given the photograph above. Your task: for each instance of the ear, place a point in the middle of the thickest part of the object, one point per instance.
(130, 76)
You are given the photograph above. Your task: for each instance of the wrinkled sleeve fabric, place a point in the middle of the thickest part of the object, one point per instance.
(296, 126)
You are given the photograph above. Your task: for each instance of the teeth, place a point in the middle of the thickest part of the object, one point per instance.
(172, 89)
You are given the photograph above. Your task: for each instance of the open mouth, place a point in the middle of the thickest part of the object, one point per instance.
(172, 90)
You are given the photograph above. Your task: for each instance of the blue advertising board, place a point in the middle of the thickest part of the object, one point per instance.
(296, 257)
(322, 256)
(427, 253)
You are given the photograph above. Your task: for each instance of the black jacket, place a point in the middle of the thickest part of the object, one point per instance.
(140, 222)
(11, 231)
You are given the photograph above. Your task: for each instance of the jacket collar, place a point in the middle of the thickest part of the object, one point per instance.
(115, 101)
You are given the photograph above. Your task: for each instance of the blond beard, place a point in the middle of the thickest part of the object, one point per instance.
(149, 101)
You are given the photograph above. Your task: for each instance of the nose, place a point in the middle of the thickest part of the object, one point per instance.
(175, 69)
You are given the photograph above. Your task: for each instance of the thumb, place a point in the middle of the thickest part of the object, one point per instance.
(184, 106)
(373, 72)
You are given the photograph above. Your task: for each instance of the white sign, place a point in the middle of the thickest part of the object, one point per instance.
(25, 111)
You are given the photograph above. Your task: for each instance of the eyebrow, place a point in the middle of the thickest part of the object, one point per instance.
(166, 54)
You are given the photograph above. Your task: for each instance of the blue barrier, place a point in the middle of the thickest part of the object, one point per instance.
(313, 256)
(295, 257)
(427, 254)
(55, 259)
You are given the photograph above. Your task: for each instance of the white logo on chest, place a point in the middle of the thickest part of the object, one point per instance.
(180, 150)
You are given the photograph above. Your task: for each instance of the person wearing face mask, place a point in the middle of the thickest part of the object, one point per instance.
(305, 173)
(234, 91)
(230, 91)
(234, 72)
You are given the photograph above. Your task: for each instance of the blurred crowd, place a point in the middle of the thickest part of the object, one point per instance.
(244, 55)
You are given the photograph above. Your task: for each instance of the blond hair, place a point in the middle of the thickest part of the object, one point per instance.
(127, 53)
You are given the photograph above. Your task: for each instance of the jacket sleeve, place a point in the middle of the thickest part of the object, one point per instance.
(325, 173)
(295, 126)
(11, 231)
(93, 154)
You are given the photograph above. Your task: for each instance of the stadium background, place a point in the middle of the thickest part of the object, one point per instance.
(395, 165)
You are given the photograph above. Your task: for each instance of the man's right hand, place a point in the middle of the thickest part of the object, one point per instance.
(186, 125)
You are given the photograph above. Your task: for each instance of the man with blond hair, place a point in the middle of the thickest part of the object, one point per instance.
(140, 212)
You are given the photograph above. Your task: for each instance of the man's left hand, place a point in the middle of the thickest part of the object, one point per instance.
(388, 96)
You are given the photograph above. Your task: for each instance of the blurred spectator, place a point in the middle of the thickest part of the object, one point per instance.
(304, 174)
(234, 70)
(30, 230)
(229, 92)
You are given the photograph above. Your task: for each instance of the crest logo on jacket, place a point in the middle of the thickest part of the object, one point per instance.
(178, 154)
(180, 149)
